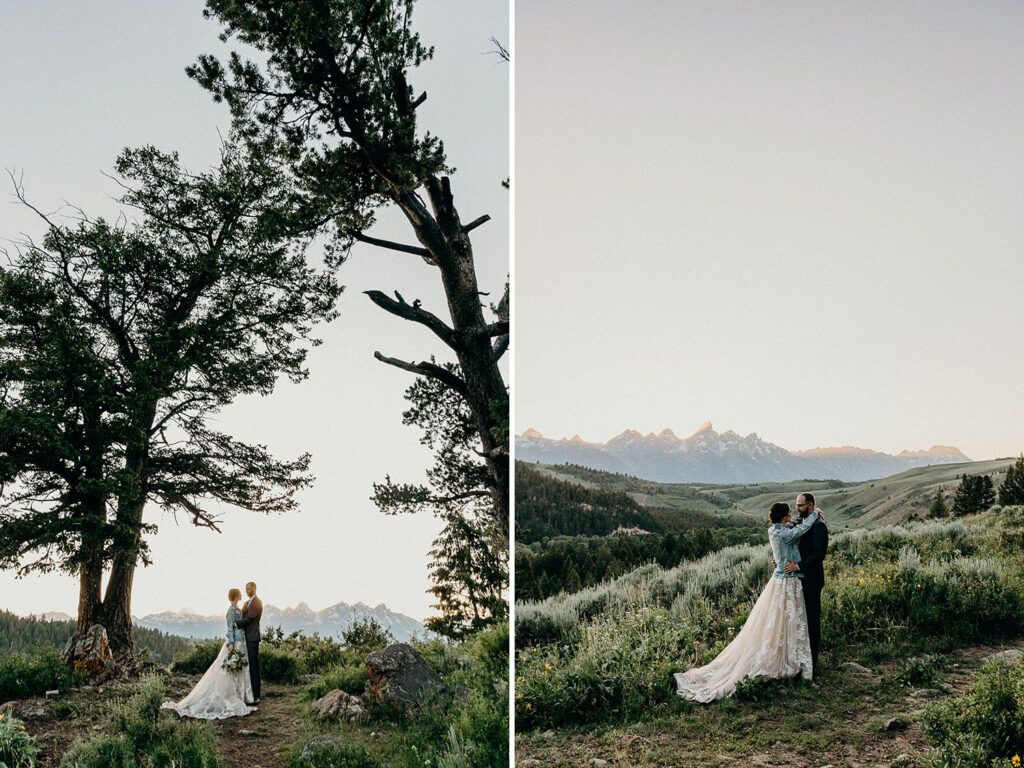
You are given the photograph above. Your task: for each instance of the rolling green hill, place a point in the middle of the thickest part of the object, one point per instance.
(887, 501)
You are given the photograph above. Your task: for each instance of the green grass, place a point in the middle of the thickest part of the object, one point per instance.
(607, 654)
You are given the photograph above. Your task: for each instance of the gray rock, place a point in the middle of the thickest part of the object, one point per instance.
(52, 694)
(399, 677)
(778, 745)
(894, 724)
(1011, 656)
(31, 713)
(599, 761)
(926, 693)
(330, 745)
(855, 667)
(549, 734)
(244, 732)
(337, 703)
(904, 760)
(462, 693)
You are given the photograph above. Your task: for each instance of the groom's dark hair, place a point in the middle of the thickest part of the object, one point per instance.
(778, 511)
(808, 497)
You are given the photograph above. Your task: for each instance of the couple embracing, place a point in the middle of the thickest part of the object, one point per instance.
(782, 634)
(230, 687)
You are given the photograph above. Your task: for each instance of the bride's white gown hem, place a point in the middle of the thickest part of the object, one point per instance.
(219, 694)
(772, 643)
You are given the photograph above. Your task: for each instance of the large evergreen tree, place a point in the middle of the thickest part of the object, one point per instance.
(146, 330)
(332, 95)
(470, 567)
(1011, 490)
(974, 494)
(938, 507)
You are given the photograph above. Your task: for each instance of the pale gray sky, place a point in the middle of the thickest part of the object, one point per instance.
(83, 80)
(799, 219)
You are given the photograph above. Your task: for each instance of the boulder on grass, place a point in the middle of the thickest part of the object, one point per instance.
(399, 677)
(90, 652)
(337, 703)
(322, 745)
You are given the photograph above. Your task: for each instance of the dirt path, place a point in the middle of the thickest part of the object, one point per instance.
(264, 738)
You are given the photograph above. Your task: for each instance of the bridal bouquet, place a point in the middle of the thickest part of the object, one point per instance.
(234, 661)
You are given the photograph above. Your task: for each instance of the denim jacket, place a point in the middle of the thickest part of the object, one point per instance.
(785, 545)
(235, 635)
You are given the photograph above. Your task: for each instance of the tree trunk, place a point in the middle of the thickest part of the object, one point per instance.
(90, 599)
(485, 387)
(117, 601)
(447, 240)
(117, 607)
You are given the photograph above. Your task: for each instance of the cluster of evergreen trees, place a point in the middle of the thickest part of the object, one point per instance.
(976, 493)
(570, 536)
(28, 635)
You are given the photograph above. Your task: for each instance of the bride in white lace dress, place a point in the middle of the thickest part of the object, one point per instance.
(221, 692)
(774, 639)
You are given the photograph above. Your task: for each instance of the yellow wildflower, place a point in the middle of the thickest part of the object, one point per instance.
(528, 705)
(547, 667)
(1015, 760)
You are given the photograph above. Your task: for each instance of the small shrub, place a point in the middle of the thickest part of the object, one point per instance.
(22, 677)
(489, 648)
(918, 671)
(17, 748)
(983, 727)
(63, 709)
(311, 653)
(367, 634)
(754, 689)
(330, 756)
(198, 658)
(279, 666)
(138, 738)
(349, 679)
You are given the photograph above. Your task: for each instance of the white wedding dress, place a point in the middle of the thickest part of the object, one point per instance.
(773, 642)
(220, 693)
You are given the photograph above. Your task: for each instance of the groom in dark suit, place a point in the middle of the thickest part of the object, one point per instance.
(813, 548)
(250, 622)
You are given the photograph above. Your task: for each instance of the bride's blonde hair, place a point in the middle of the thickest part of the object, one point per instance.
(234, 595)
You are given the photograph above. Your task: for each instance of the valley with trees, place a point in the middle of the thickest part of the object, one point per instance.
(923, 626)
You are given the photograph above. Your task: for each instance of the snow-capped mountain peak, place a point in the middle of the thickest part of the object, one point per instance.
(727, 457)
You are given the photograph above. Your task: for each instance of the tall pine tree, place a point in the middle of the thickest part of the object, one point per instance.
(1011, 490)
(145, 332)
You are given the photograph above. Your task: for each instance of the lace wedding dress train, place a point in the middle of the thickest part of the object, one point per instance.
(772, 643)
(220, 693)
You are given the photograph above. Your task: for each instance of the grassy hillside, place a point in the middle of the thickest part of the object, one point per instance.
(886, 501)
(570, 535)
(901, 599)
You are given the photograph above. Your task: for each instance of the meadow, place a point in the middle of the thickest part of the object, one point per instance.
(918, 604)
(119, 724)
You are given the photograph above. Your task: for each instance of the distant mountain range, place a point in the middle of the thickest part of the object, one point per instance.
(708, 456)
(330, 622)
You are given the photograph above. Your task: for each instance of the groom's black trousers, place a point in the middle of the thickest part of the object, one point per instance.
(812, 599)
(253, 649)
